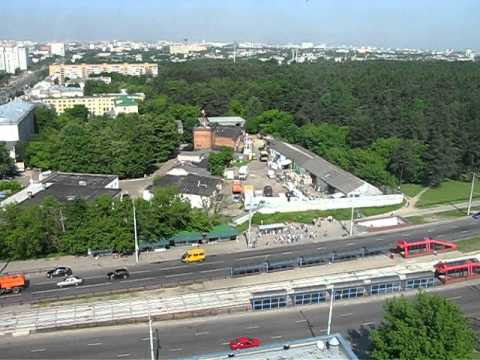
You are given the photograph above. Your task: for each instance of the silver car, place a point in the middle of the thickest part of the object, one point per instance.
(70, 281)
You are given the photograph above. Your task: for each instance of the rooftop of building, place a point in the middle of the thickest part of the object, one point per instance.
(125, 100)
(231, 132)
(226, 120)
(192, 184)
(80, 179)
(63, 193)
(333, 347)
(330, 174)
(13, 112)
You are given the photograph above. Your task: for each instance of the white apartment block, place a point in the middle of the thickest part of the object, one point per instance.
(57, 49)
(98, 105)
(187, 48)
(83, 71)
(13, 58)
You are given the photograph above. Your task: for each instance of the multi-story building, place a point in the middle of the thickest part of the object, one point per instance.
(74, 71)
(57, 49)
(98, 105)
(187, 48)
(13, 58)
(16, 123)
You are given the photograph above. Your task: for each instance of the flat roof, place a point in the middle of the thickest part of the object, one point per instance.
(79, 179)
(226, 120)
(15, 111)
(64, 193)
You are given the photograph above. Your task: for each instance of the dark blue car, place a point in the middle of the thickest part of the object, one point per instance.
(476, 216)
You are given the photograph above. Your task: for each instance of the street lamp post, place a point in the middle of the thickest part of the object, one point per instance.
(152, 354)
(332, 296)
(135, 231)
(471, 194)
(351, 223)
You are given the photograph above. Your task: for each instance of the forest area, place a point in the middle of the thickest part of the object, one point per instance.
(387, 122)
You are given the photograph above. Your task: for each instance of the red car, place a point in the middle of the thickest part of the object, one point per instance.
(244, 343)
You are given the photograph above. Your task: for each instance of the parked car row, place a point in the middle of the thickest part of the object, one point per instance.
(73, 280)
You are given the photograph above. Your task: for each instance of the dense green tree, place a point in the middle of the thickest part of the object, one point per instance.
(429, 327)
(7, 165)
(93, 87)
(217, 161)
(79, 112)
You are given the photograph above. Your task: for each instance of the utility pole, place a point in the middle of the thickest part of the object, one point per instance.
(332, 296)
(135, 231)
(351, 223)
(249, 224)
(152, 354)
(471, 194)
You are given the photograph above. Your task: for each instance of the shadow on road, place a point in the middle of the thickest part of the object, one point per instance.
(360, 341)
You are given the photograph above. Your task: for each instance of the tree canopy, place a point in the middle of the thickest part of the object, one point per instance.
(217, 161)
(7, 165)
(429, 327)
(30, 231)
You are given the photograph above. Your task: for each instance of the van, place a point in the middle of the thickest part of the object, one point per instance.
(193, 255)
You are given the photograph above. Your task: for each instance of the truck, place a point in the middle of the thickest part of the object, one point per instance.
(236, 190)
(243, 172)
(11, 283)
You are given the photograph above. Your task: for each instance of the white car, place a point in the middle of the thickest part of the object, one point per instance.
(70, 281)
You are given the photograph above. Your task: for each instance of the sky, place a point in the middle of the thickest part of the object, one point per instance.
(426, 24)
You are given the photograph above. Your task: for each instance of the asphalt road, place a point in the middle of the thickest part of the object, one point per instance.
(217, 266)
(183, 338)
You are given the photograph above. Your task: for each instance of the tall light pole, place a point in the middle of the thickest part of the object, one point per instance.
(249, 240)
(332, 296)
(135, 231)
(151, 336)
(351, 223)
(471, 194)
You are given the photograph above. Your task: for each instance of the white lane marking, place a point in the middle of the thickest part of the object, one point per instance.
(44, 283)
(132, 280)
(174, 267)
(50, 290)
(225, 343)
(380, 238)
(201, 333)
(454, 298)
(145, 339)
(287, 253)
(465, 231)
(430, 230)
(39, 350)
(350, 243)
(176, 349)
(95, 344)
(213, 262)
(345, 315)
(181, 274)
(123, 355)
(250, 257)
(211, 270)
(277, 337)
(320, 248)
(301, 321)
(95, 285)
(140, 271)
(253, 327)
(323, 330)
(368, 323)
(441, 235)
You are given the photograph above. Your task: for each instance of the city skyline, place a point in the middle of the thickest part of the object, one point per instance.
(398, 24)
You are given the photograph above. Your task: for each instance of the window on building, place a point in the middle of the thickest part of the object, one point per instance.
(385, 288)
(271, 302)
(315, 297)
(348, 293)
(419, 283)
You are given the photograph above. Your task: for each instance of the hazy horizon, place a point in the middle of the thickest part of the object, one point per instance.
(426, 24)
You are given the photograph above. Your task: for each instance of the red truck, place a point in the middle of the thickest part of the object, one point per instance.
(11, 283)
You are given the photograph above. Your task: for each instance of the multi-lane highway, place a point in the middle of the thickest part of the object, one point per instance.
(218, 266)
(199, 336)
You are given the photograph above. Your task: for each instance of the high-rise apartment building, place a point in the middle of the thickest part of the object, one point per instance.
(83, 71)
(57, 49)
(12, 58)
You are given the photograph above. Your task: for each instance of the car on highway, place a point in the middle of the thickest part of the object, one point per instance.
(71, 280)
(243, 343)
(476, 216)
(118, 274)
(59, 271)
